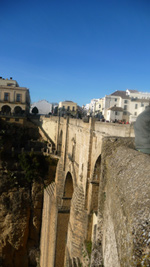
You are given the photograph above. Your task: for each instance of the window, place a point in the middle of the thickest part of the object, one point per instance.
(73, 109)
(68, 108)
(18, 98)
(136, 106)
(116, 113)
(124, 113)
(135, 113)
(115, 99)
(142, 104)
(125, 101)
(125, 107)
(99, 106)
(6, 96)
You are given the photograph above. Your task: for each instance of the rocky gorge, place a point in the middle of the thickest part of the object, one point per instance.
(23, 175)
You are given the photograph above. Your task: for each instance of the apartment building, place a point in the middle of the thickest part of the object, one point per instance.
(123, 105)
(14, 100)
(68, 105)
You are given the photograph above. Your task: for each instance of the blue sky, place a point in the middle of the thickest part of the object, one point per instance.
(75, 50)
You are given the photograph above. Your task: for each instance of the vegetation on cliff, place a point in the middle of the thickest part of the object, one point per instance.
(23, 175)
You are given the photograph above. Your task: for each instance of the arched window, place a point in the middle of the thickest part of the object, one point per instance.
(18, 110)
(6, 109)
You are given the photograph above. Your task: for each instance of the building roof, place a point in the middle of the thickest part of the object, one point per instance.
(8, 82)
(133, 91)
(114, 108)
(121, 94)
(67, 102)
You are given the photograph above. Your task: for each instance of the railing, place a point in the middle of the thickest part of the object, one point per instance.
(13, 102)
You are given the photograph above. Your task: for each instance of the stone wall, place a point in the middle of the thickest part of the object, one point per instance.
(50, 125)
(123, 230)
(49, 226)
(20, 223)
(79, 149)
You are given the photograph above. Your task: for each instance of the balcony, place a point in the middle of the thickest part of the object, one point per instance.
(13, 102)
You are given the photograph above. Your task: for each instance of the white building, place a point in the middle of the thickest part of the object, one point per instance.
(114, 114)
(132, 103)
(99, 106)
(43, 106)
(91, 107)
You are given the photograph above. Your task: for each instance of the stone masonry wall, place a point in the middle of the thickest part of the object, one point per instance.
(81, 146)
(49, 125)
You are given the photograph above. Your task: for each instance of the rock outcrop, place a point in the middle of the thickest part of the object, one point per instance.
(20, 220)
(123, 219)
(21, 196)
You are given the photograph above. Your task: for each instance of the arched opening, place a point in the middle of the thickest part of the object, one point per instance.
(94, 187)
(93, 191)
(97, 170)
(62, 221)
(60, 143)
(68, 189)
(18, 110)
(6, 109)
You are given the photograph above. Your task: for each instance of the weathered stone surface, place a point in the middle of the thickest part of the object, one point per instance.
(124, 218)
(20, 224)
(79, 146)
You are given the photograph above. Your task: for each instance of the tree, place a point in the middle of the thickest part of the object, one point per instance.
(35, 110)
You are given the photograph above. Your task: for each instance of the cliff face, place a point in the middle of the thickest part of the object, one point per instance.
(22, 179)
(20, 220)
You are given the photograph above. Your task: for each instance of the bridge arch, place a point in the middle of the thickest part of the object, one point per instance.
(97, 170)
(94, 186)
(93, 191)
(63, 220)
(68, 187)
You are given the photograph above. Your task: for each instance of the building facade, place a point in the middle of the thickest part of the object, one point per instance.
(43, 107)
(67, 107)
(131, 102)
(14, 100)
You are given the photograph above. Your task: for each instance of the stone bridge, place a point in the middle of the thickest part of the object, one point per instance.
(76, 205)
